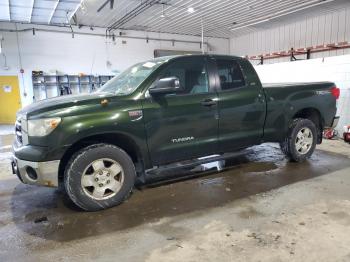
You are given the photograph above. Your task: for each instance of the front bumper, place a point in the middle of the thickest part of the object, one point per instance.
(36, 173)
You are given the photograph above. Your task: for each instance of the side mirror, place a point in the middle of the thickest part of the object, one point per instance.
(166, 86)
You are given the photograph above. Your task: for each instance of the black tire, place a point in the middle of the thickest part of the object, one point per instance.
(289, 147)
(85, 157)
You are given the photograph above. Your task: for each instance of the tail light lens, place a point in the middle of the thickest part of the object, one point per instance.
(335, 92)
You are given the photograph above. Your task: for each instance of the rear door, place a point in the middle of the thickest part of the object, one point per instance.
(242, 105)
(183, 125)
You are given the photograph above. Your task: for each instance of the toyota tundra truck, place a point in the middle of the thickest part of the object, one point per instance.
(161, 114)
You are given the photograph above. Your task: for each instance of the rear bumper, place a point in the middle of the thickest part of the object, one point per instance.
(36, 173)
(335, 121)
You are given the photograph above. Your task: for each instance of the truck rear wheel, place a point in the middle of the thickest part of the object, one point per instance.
(301, 140)
(99, 176)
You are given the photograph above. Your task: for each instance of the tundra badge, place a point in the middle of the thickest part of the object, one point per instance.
(182, 139)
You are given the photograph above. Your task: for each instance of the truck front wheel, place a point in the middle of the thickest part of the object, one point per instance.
(301, 140)
(99, 176)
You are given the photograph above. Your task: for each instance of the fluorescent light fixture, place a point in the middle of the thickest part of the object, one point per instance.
(190, 10)
(9, 11)
(83, 9)
(250, 24)
(163, 13)
(53, 11)
(31, 12)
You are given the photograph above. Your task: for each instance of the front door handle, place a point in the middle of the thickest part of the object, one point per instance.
(208, 102)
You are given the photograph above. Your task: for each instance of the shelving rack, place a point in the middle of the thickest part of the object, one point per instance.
(47, 86)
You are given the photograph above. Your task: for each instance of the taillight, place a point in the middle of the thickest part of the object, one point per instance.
(335, 92)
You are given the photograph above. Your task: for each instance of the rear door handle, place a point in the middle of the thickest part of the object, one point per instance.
(208, 102)
(261, 98)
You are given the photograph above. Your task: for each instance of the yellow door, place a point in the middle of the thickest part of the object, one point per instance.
(10, 100)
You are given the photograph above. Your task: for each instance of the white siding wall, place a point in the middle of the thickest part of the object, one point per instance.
(86, 54)
(335, 69)
(322, 29)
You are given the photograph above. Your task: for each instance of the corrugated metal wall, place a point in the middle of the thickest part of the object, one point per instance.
(322, 29)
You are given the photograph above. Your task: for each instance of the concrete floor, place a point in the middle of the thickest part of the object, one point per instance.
(260, 208)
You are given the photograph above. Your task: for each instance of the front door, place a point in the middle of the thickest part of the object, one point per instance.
(183, 125)
(10, 101)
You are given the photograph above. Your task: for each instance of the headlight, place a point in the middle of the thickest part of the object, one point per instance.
(42, 127)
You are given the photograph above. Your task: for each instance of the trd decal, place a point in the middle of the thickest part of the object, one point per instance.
(135, 115)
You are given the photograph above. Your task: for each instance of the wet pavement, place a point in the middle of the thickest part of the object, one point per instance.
(5, 143)
(38, 219)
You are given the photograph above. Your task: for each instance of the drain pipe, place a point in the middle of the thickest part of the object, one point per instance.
(5, 67)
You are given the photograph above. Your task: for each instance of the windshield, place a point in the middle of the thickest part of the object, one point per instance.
(128, 81)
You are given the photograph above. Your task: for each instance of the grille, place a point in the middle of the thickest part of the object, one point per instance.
(18, 130)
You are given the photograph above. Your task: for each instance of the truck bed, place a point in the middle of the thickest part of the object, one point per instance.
(295, 84)
(285, 99)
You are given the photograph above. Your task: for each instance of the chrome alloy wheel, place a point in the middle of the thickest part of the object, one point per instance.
(304, 141)
(102, 179)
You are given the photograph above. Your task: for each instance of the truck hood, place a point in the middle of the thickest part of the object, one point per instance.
(60, 102)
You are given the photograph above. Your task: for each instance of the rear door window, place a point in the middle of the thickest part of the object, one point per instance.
(230, 74)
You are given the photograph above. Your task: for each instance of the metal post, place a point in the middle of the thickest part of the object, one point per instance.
(202, 25)
(308, 54)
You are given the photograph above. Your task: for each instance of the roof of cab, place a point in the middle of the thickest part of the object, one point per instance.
(198, 55)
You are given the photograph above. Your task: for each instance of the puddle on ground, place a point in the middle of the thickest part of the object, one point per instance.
(261, 170)
(249, 213)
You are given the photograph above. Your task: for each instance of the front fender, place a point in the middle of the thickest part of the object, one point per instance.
(92, 121)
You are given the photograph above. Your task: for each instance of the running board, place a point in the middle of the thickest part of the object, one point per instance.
(158, 171)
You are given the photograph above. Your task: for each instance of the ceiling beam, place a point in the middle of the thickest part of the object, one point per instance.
(53, 11)
(111, 4)
(139, 9)
(284, 12)
(31, 12)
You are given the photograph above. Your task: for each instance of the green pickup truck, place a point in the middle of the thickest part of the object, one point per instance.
(159, 115)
